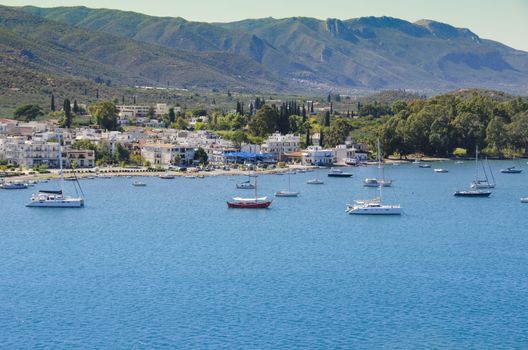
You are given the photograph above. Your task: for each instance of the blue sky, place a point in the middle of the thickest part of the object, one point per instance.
(505, 20)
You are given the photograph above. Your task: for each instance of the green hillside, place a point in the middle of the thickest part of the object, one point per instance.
(349, 55)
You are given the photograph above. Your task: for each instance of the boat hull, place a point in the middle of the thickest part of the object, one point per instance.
(340, 175)
(472, 193)
(314, 182)
(381, 210)
(57, 204)
(249, 205)
(286, 194)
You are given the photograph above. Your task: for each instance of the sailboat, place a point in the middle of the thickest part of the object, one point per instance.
(474, 192)
(484, 183)
(56, 198)
(374, 206)
(250, 203)
(289, 192)
(374, 182)
(246, 185)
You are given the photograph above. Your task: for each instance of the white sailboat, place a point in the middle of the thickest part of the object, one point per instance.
(289, 192)
(484, 183)
(315, 181)
(56, 198)
(474, 191)
(374, 206)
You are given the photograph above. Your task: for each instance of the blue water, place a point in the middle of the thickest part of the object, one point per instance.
(170, 266)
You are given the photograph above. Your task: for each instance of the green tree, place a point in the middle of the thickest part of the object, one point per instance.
(105, 114)
(28, 112)
(264, 122)
(68, 117)
(337, 133)
(180, 123)
(121, 154)
(201, 156)
(52, 104)
(172, 115)
(496, 136)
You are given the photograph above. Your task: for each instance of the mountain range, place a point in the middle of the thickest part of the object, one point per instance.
(296, 55)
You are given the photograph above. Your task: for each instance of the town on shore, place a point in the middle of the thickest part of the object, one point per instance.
(109, 135)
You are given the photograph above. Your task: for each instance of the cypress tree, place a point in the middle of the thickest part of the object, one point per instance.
(308, 140)
(97, 93)
(67, 113)
(172, 115)
(52, 105)
(321, 138)
(75, 107)
(326, 122)
(134, 100)
(331, 108)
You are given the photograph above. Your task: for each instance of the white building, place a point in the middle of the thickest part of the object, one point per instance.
(165, 154)
(280, 144)
(133, 111)
(315, 155)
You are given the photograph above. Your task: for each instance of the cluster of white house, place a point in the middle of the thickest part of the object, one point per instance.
(34, 144)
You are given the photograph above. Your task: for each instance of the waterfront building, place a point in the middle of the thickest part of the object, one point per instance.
(315, 155)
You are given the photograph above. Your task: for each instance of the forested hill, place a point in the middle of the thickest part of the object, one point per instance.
(319, 55)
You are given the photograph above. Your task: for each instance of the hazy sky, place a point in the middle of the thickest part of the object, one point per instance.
(505, 20)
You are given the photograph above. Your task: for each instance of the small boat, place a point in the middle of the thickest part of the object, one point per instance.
(190, 177)
(424, 166)
(167, 176)
(417, 161)
(201, 176)
(70, 178)
(524, 200)
(90, 177)
(301, 171)
(374, 182)
(373, 207)
(32, 182)
(351, 161)
(16, 185)
(314, 182)
(472, 193)
(459, 162)
(511, 170)
(139, 184)
(440, 170)
(129, 176)
(102, 176)
(338, 173)
(246, 185)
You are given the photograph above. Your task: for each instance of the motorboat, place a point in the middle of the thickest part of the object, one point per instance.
(424, 166)
(339, 173)
(246, 185)
(373, 208)
(167, 176)
(314, 182)
(15, 185)
(524, 200)
(440, 170)
(374, 182)
(511, 170)
(139, 184)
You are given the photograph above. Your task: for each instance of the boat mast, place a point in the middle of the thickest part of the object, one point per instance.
(380, 184)
(256, 198)
(60, 161)
(476, 163)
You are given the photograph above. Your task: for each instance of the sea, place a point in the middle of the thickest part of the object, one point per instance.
(170, 266)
